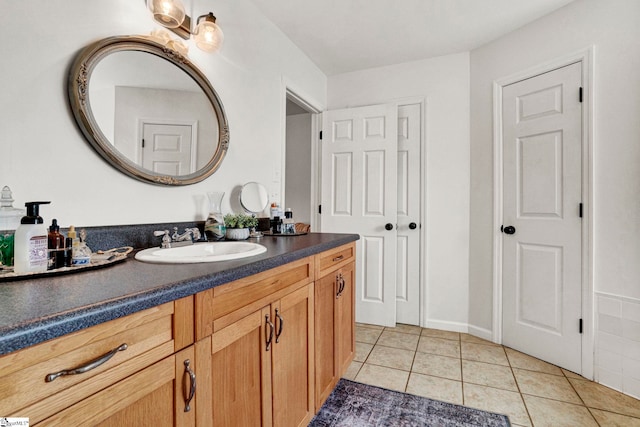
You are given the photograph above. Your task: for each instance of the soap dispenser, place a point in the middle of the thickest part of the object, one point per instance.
(9, 222)
(30, 242)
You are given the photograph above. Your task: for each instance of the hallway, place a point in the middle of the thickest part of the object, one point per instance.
(463, 369)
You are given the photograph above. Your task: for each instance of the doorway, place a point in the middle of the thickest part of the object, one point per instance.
(298, 181)
(542, 273)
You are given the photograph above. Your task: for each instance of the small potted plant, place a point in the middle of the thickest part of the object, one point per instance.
(238, 226)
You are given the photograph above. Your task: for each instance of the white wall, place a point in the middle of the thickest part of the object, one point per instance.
(444, 83)
(43, 156)
(612, 26)
(298, 167)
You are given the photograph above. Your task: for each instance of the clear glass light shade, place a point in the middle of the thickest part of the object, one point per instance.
(208, 35)
(169, 13)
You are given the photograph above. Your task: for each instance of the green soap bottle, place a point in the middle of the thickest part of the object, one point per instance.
(9, 221)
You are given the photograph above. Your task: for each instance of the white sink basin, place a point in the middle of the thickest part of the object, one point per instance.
(201, 252)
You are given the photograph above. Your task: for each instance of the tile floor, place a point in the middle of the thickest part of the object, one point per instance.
(463, 369)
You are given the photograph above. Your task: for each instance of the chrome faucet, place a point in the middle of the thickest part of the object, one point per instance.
(189, 236)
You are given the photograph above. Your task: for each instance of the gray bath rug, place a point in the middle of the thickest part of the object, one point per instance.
(353, 404)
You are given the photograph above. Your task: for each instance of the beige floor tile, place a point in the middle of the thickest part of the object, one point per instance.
(609, 419)
(392, 379)
(391, 357)
(362, 351)
(598, 396)
(399, 340)
(474, 339)
(524, 361)
(352, 370)
(367, 335)
(545, 385)
(495, 400)
(437, 333)
(405, 329)
(551, 413)
(497, 376)
(438, 366)
(570, 374)
(435, 388)
(484, 353)
(366, 325)
(439, 346)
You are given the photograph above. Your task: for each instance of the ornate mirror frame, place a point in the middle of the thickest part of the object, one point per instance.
(78, 91)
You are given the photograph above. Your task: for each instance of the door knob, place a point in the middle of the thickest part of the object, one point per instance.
(412, 225)
(388, 226)
(509, 229)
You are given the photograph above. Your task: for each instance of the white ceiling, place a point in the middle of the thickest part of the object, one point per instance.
(347, 35)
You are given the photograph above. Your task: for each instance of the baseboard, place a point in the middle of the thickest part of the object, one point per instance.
(483, 333)
(447, 326)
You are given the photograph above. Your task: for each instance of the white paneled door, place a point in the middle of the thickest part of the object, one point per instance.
(359, 161)
(168, 148)
(408, 208)
(542, 248)
(371, 186)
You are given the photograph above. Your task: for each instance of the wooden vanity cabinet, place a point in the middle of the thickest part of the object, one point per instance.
(334, 318)
(137, 378)
(256, 368)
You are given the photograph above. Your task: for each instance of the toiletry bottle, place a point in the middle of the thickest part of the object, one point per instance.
(82, 253)
(68, 254)
(55, 246)
(30, 243)
(75, 242)
(9, 221)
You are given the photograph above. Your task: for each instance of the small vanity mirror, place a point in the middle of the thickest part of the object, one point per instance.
(254, 197)
(148, 111)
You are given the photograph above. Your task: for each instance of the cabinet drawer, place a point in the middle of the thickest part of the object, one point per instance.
(237, 299)
(328, 261)
(33, 383)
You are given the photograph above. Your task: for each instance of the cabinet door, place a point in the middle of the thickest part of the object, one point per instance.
(326, 298)
(345, 319)
(153, 397)
(236, 378)
(293, 359)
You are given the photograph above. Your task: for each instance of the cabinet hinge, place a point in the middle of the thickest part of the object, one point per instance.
(580, 326)
(580, 96)
(580, 210)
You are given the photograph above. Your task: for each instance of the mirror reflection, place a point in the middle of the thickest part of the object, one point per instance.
(148, 111)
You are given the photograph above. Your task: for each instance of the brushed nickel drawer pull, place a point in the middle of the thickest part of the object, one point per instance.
(338, 258)
(192, 389)
(88, 366)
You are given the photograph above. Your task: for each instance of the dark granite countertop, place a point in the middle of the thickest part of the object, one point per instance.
(33, 311)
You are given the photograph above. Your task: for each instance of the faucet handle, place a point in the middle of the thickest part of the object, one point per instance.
(166, 239)
(161, 233)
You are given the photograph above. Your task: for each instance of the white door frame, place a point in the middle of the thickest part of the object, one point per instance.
(586, 57)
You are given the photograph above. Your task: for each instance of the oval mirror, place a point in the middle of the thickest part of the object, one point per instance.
(148, 111)
(254, 197)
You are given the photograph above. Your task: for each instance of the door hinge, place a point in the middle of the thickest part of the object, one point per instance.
(319, 209)
(580, 96)
(580, 210)
(321, 135)
(142, 142)
(580, 326)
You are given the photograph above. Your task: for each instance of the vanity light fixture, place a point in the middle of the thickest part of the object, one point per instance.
(170, 14)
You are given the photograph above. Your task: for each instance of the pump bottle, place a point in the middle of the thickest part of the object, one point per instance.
(30, 242)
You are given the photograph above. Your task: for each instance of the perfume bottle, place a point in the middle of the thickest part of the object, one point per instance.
(214, 225)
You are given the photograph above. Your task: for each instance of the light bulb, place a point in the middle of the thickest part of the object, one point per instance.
(169, 13)
(208, 35)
